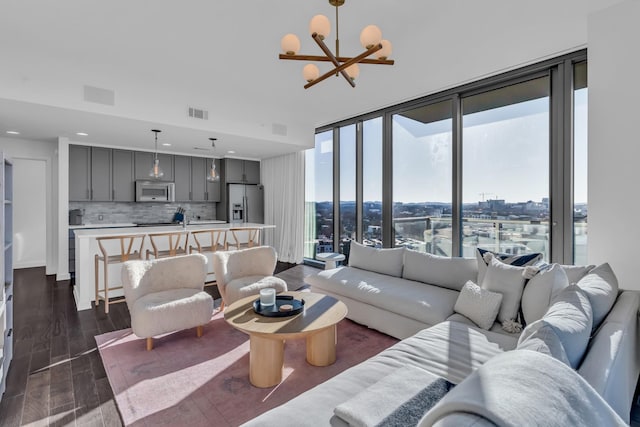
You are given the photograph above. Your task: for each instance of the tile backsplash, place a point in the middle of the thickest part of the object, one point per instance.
(116, 212)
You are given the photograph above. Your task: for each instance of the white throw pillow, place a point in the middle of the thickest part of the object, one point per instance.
(542, 338)
(571, 318)
(540, 290)
(447, 272)
(576, 272)
(509, 281)
(478, 305)
(383, 261)
(601, 286)
(517, 260)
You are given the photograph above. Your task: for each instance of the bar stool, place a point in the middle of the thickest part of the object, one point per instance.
(175, 238)
(208, 241)
(253, 237)
(127, 243)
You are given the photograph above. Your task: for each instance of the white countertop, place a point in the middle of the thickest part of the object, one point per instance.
(101, 232)
(102, 225)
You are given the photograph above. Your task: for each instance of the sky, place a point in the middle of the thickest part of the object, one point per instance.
(505, 156)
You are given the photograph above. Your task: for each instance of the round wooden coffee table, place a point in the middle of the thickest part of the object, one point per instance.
(317, 323)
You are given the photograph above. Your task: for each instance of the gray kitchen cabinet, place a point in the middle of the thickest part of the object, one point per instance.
(242, 171)
(144, 162)
(101, 174)
(123, 185)
(79, 173)
(251, 172)
(198, 179)
(182, 178)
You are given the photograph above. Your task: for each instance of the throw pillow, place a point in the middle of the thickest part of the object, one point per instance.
(478, 305)
(540, 290)
(517, 260)
(541, 337)
(601, 286)
(571, 318)
(576, 272)
(383, 261)
(509, 281)
(448, 272)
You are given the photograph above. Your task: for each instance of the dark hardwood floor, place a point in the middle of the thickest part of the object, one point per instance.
(56, 377)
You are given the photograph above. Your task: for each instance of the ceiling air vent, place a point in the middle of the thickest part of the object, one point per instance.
(198, 113)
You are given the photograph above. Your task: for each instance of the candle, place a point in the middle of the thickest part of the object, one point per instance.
(267, 297)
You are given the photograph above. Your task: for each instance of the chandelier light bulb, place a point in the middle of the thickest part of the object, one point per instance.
(156, 171)
(370, 36)
(310, 72)
(385, 52)
(353, 71)
(320, 24)
(290, 44)
(213, 175)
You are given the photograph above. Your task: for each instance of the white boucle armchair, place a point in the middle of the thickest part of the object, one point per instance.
(244, 272)
(166, 295)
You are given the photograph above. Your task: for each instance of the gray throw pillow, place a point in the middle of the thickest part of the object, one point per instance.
(540, 290)
(509, 281)
(601, 286)
(541, 337)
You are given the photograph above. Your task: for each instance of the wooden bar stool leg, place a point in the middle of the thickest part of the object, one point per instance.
(149, 344)
(106, 287)
(199, 331)
(97, 277)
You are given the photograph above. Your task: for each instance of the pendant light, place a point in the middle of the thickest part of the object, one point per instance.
(156, 171)
(212, 174)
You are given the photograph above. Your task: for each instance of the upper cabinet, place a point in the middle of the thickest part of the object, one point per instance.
(182, 175)
(79, 173)
(144, 162)
(242, 171)
(191, 184)
(101, 174)
(124, 189)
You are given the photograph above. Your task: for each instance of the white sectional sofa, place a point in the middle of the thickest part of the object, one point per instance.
(584, 338)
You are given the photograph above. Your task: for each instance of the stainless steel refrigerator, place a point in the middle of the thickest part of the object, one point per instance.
(246, 203)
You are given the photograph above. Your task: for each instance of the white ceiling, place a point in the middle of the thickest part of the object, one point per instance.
(161, 56)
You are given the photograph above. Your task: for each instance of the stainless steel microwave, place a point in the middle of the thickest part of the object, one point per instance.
(155, 191)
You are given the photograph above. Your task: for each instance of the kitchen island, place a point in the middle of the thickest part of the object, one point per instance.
(86, 247)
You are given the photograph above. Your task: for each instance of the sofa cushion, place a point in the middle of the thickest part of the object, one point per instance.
(601, 286)
(576, 272)
(543, 339)
(383, 261)
(540, 290)
(571, 318)
(517, 260)
(424, 303)
(509, 281)
(479, 305)
(448, 272)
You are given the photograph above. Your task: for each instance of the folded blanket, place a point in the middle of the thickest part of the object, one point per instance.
(524, 387)
(398, 399)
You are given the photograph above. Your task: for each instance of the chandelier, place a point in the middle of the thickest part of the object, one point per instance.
(213, 175)
(319, 28)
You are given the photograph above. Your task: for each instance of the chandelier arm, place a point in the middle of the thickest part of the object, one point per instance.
(330, 55)
(343, 66)
(339, 58)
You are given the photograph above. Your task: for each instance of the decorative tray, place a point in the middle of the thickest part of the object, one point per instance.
(277, 310)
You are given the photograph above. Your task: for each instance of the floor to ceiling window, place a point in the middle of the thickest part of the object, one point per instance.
(505, 169)
(318, 230)
(580, 163)
(347, 224)
(422, 148)
(372, 182)
(488, 164)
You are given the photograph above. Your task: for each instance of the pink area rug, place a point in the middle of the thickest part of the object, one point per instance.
(204, 381)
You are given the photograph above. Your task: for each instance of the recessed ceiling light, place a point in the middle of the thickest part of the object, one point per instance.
(82, 134)
(166, 144)
(13, 132)
(231, 152)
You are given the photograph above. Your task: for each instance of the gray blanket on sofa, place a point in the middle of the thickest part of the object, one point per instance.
(523, 387)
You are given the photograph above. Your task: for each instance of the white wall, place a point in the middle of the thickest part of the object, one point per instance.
(29, 213)
(41, 151)
(614, 142)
